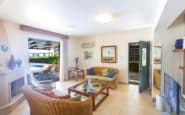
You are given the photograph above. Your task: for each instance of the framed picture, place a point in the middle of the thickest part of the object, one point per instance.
(108, 54)
(88, 55)
(157, 54)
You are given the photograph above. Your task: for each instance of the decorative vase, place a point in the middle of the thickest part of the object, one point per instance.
(76, 61)
(11, 63)
(19, 62)
(4, 48)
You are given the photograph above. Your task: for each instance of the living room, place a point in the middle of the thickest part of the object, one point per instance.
(83, 38)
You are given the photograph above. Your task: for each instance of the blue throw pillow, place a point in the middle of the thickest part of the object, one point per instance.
(111, 74)
(90, 71)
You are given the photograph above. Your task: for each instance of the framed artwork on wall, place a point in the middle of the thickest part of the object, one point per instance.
(108, 54)
(88, 55)
(157, 54)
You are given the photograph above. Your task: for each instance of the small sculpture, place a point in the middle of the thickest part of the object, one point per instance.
(19, 62)
(77, 62)
(4, 48)
(11, 63)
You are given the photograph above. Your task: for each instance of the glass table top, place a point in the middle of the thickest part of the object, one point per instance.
(89, 87)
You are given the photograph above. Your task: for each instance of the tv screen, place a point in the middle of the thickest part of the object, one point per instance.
(171, 90)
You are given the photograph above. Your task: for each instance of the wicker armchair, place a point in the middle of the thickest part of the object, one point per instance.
(44, 105)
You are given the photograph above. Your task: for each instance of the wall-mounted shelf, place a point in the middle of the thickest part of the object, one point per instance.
(182, 68)
(157, 62)
(179, 50)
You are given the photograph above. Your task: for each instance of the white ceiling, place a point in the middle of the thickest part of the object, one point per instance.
(53, 15)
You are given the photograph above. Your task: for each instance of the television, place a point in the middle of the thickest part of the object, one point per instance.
(171, 91)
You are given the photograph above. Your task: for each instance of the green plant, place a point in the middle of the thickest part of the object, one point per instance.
(134, 66)
(45, 59)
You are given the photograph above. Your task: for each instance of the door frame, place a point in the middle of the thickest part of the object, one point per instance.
(152, 69)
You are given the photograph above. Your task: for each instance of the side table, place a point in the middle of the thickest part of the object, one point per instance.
(76, 73)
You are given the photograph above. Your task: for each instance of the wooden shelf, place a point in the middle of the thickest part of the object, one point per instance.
(182, 68)
(179, 50)
(157, 62)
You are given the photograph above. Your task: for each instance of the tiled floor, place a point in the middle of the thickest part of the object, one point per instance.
(125, 100)
(156, 91)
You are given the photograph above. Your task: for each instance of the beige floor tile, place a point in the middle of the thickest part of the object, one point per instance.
(125, 100)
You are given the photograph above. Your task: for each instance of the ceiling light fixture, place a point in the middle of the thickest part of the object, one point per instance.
(104, 18)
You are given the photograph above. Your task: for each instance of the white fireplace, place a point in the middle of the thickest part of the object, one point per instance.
(10, 87)
(15, 88)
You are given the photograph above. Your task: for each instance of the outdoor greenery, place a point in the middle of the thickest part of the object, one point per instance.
(134, 66)
(45, 59)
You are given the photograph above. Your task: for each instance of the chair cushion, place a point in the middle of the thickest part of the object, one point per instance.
(53, 95)
(111, 74)
(90, 71)
(75, 98)
(105, 72)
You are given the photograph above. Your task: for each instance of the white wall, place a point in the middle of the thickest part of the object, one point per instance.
(73, 50)
(18, 42)
(3, 41)
(171, 60)
(120, 39)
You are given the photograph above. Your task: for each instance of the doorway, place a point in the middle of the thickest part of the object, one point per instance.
(133, 63)
(139, 64)
(156, 79)
(44, 59)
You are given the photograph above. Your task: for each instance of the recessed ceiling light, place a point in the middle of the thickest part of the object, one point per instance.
(104, 18)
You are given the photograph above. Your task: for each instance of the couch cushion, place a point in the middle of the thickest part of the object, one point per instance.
(98, 70)
(105, 72)
(92, 76)
(105, 78)
(90, 71)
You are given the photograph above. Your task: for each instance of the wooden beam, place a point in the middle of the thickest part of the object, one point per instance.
(41, 31)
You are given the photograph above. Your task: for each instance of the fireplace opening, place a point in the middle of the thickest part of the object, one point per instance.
(16, 87)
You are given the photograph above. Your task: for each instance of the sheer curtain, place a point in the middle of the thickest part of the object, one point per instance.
(63, 60)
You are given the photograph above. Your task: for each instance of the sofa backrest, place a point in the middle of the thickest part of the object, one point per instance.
(44, 105)
(98, 69)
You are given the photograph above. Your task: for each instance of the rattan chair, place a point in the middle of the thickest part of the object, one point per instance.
(44, 105)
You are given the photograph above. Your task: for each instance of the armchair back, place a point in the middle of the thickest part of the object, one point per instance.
(43, 105)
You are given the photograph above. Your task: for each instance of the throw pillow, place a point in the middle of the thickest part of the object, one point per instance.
(90, 71)
(105, 72)
(52, 94)
(111, 74)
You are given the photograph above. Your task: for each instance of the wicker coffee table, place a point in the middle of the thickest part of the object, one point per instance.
(86, 88)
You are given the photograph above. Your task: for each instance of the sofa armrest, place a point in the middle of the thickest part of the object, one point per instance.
(115, 77)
